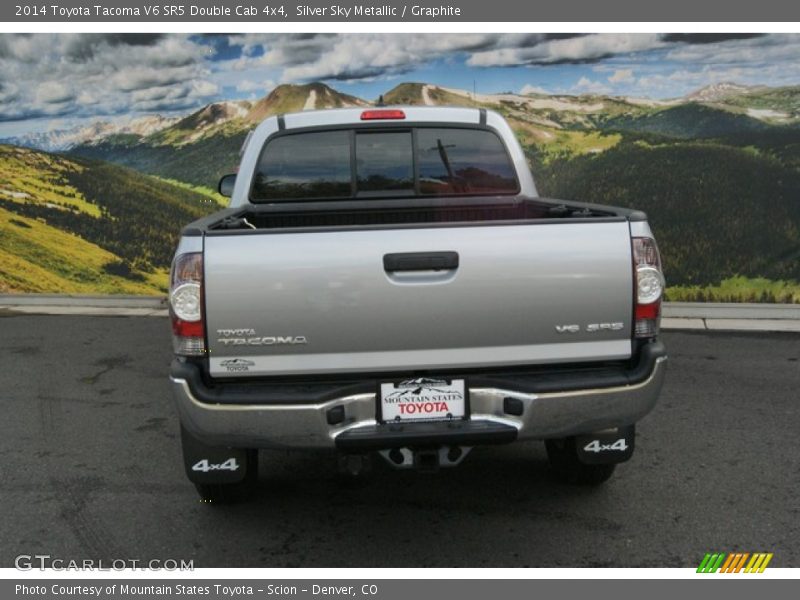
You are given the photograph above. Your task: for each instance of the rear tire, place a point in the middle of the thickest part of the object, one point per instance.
(230, 493)
(566, 467)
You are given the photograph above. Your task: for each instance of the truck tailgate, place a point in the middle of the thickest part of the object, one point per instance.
(290, 303)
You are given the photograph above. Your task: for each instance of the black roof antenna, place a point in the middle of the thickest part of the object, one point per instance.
(380, 101)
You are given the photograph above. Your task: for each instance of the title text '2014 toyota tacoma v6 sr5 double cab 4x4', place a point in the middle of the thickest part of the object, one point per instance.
(388, 280)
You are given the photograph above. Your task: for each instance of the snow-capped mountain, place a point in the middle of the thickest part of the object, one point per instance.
(59, 140)
(719, 91)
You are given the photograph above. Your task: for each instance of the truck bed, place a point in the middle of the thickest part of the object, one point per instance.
(401, 213)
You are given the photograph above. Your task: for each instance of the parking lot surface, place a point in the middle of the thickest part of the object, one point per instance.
(90, 468)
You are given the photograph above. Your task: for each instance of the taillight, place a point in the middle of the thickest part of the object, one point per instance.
(186, 304)
(649, 287)
(380, 114)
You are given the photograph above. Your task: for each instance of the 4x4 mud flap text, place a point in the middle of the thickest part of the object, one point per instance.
(212, 464)
(606, 447)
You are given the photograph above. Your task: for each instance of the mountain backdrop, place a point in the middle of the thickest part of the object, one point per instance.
(717, 171)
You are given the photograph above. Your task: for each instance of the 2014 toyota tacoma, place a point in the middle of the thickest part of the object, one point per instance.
(388, 280)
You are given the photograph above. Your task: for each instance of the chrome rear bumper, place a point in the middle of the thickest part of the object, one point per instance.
(543, 415)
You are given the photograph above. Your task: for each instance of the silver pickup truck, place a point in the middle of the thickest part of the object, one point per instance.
(388, 281)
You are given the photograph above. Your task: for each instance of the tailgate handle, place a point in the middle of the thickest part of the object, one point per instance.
(420, 261)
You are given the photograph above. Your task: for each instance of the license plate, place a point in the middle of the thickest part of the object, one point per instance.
(423, 399)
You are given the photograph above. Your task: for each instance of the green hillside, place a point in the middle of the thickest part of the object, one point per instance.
(407, 94)
(37, 257)
(717, 211)
(688, 121)
(420, 94)
(201, 162)
(550, 143)
(717, 172)
(294, 98)
(783, 99)
(74, 225)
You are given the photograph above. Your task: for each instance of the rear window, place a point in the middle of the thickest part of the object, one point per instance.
(307, 165)
(425, 161)
(384, 162)
(463, 161)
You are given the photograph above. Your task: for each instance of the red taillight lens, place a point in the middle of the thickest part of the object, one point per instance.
(186, 305)
(649, 287)
(376, 115)
(187, 328)
(648, 311)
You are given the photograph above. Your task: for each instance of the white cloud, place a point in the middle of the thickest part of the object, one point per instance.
(590, 86)
(163, 92)
(203, 89)
(247, 85)
(86, 75)
(9, 93)
(622, 76)
(86, 98)
(532, 89)
(53, 92)
(305, 57)
(99, 74)
(145, 77)
(762, 50)
(357, 56)
(576, 49)
(679, 82)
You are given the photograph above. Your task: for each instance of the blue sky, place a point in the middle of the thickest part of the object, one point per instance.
(57, 81)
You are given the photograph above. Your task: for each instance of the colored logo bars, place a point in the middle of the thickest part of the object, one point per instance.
(735, 562)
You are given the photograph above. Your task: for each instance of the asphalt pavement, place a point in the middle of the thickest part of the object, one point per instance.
(90, 468)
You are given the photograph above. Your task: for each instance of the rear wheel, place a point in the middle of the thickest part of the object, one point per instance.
(566, 467)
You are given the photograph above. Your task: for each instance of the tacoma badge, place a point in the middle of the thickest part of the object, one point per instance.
(264, 341)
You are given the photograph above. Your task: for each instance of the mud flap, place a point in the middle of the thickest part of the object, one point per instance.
(212, 464)
(609, 446)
